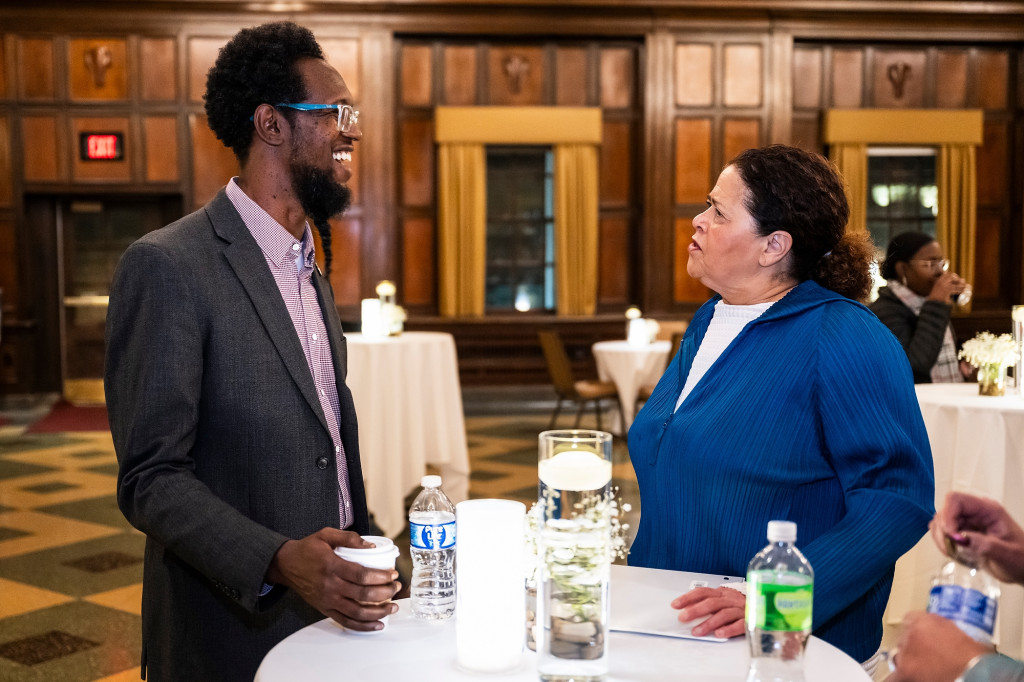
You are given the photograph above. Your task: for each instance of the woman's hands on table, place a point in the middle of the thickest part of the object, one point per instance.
(724, 605)
(355, 596)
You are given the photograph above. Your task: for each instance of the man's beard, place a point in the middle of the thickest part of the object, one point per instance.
(322, 197)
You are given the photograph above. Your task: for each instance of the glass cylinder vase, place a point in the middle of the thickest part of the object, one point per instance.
(991, 379)
(574, 555)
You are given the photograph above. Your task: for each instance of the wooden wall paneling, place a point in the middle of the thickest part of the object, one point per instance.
(993, 78)
(158, 68)
(103, 171)
(460, 75)
(161, 148)
(618, 77)
(899, 78)
(687, 289)
(951, 78)
(693, 160)
(778, 114)
(6, 163)
(9, 264)
(346, 266)
(416, 145)
(616, 167)
(694, 70)
(418, 261)
(571, 77)
(344, 55)
(41, 150)
(993, 165)
(614, 261)
(202, 53)
(213, 164)
(515, 75)
(806, 132)
(847, 81)
(97, 69)
(3, 67)
(739, 134)
(35, 62)
(988, 256)
(417, 75)
(807, 74)
(743, 75)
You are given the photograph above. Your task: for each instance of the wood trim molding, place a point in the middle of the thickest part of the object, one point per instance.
(518, 125)
(904, 126)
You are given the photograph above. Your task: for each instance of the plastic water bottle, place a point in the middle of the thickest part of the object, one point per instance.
(966, 594)
(432, 545)
(780, 596)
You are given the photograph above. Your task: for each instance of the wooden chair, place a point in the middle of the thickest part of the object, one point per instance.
(644, 394)
(566, 387)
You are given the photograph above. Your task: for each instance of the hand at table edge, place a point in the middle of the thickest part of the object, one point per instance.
(725, 607)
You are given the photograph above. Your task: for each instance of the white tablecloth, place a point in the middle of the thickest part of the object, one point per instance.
(414, 650)
(409, 405)
(630, 367)
(978, 447)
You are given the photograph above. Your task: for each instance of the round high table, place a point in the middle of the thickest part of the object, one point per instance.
(409, 406)
(414, 650)
(630, 366)
(978, 447)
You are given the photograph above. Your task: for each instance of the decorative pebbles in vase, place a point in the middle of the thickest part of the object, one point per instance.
(992, 355)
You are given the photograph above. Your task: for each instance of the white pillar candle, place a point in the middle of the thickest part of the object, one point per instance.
(372, 324)
(637, 332)
(490, 596)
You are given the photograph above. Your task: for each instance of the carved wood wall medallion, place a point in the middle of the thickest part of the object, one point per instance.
(516, 69)
(98, 61)
(898, 73)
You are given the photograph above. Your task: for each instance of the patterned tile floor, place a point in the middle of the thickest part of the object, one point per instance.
(71, 566)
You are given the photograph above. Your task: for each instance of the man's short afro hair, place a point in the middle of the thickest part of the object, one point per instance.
(255, 67)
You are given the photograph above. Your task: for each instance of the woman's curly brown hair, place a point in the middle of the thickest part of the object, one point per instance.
(799, 192)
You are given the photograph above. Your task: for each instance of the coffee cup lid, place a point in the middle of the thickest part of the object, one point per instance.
(384, 547)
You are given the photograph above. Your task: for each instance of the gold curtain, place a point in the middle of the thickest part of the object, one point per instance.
(461, 134)
(851, 158)
(576, 228)
(462, 229)
(956, 222)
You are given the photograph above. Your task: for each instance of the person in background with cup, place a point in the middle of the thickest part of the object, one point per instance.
(932, 648)
(234, 430)
(916, 304)
(789, 400)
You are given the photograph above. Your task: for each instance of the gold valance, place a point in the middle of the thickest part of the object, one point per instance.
(903, 126)
(517, 125)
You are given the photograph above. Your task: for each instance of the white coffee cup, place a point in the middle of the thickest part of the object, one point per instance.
(382, 555)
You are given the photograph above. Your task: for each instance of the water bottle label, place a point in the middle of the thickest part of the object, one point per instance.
(785, 608)
(963, 605)
(432, 536)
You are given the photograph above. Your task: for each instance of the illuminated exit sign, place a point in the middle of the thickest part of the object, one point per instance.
(101, 146)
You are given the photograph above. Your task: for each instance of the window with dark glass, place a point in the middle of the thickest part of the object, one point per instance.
(520, 229)
(902, 195)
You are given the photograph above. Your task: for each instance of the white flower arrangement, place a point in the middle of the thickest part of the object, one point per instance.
(988, 349)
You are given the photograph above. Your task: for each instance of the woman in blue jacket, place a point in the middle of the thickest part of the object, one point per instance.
(788, 399)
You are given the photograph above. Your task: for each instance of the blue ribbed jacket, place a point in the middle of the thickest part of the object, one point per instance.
(808, 415)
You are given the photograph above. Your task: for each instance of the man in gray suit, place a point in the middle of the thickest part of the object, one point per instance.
(225, 382)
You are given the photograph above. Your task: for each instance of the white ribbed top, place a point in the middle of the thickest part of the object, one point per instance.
(726, 324)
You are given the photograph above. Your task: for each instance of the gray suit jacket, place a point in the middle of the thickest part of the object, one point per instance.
(223, 448)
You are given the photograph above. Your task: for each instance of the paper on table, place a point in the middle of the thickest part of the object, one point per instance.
(646, 608)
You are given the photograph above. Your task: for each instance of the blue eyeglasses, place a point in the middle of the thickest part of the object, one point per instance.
(347, 116)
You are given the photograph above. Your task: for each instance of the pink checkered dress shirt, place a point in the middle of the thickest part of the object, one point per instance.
(292, 262)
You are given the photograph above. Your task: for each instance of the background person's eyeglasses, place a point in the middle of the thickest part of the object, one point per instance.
(932, 264)
(347, 116)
